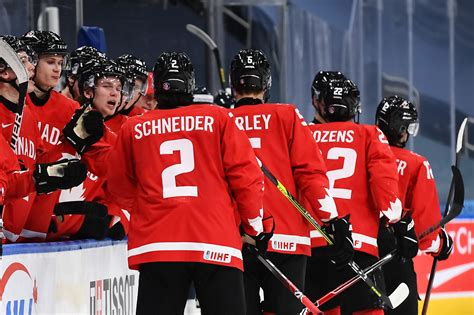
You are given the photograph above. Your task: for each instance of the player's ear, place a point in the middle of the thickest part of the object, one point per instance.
(89, 93)
(7, 74)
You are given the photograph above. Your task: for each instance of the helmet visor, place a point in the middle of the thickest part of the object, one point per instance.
(413, 128)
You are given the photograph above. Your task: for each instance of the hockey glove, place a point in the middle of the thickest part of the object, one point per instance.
(446, 246)
(342, 251)
(407, 242)
(261, 240)
(63, 174)
(94, 226)
(223, 99)
(116, 231)
(80, 207)
(84, 129)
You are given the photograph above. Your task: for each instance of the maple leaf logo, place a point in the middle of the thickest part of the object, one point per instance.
(394, 212)
(328, 205)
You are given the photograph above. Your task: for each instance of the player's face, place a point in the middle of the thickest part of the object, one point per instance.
(108, 92)
(48, 71)
(147, 102)
(138, 90)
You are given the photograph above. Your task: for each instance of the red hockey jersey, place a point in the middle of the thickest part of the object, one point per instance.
(283, 142)
(179, 170)
(116, 122)
(135, 111)
(52, 116)
(363, 178)
(28, 150)
(418, 193)
(14, 183)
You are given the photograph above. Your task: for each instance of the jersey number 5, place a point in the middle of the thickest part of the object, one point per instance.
(347, 170)
(168, 177)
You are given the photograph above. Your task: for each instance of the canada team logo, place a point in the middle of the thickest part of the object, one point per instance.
(166, 86)
(17, 299)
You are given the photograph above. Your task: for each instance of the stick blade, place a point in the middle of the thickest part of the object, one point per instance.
(399, 295)
(202, 35)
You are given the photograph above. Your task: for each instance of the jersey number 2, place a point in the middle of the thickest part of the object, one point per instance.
(347, 170)
(168, 177)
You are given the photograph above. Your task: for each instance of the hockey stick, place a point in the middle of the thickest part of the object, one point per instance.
(212, 46)
(456, 208)
(11, 58)
(286, 282)
(393, 300)
(459, 143)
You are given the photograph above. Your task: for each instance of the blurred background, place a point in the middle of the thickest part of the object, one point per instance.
(419, 49)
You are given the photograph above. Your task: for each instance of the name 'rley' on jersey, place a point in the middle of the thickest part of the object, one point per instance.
(282, 141)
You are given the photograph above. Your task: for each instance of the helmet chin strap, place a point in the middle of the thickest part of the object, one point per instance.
(43, 90)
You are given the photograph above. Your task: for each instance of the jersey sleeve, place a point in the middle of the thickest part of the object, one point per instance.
(422, 199)
(97, 156)
(383, 176)
(243, 175)
(121, 184)
(309, 170)
(13, 182)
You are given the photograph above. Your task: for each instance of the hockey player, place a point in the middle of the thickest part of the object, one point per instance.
(77, 59)
(136, 72)
(52, 109)
(29, 149)
(363, 181)
(148, 102)
(283, 142)
(101, 85)
(398, 119)
(183, 225)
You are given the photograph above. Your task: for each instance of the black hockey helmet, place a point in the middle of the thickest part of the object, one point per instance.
(100, 67)
(17, 45)
(321, 80)
(80, 56)
(45, 42)
(341, 100)
(135, 69)
(173, 73)
(250, 71)
(395, 116)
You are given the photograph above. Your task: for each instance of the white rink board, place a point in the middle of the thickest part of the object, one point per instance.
(76, 277)
(80, 277)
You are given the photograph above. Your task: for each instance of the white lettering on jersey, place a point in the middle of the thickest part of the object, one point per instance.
(286, 246)
(334, 135)
(52, 136)
(26, 147)
(217, 256)
(303, 122)
(429, 171)
(401, 166)
(253, 122)
(382, 137)
(173, 124)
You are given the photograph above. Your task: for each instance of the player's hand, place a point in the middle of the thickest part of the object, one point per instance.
(260, 241)
(342, 251)
(407, 242)
(446, 246)
(84, 129)
(63, 174)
